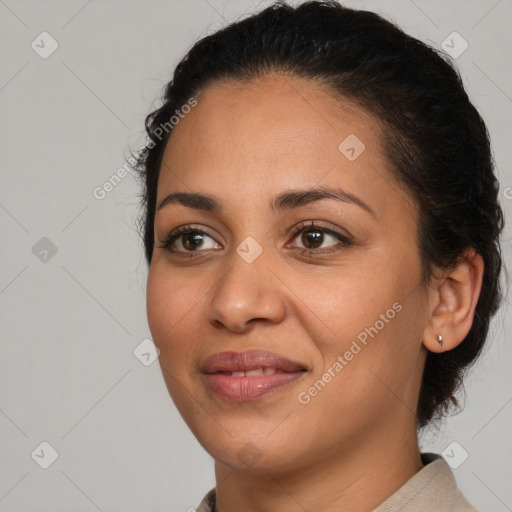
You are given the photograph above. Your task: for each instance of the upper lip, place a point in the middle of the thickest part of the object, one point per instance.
(249, 360)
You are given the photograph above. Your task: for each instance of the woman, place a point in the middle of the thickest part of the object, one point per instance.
(322, 233)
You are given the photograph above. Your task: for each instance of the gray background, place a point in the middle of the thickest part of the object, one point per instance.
(70, 321)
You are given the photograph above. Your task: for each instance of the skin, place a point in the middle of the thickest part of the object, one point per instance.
(355, 442)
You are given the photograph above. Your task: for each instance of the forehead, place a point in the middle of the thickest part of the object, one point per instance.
(272, 133)
(272, 117)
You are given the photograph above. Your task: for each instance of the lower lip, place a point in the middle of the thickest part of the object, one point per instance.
(248, 388)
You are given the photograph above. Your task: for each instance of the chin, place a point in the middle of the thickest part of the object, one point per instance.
(255, 453)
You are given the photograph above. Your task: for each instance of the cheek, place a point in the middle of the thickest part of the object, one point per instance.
(341, 306)
(171, 302)
(371, 318)
(373, 351)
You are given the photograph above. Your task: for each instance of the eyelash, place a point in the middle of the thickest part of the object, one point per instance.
(302, 227)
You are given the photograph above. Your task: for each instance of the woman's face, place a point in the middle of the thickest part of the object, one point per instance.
(341, 301)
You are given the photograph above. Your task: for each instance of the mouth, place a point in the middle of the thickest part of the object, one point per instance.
(253, 373)
(245, 376)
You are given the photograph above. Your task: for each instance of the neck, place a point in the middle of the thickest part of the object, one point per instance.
(358, 479)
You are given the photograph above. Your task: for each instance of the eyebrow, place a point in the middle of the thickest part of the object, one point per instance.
(283, 202)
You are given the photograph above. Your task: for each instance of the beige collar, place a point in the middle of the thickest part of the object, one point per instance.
(432, 488)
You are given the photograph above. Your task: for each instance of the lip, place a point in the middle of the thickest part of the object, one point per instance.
(249, 360)
(217, 368)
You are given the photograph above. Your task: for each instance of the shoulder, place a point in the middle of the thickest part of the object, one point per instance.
(433, 488)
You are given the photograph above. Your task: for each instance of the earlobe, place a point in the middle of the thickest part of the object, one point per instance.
(440, 341)
(436, 346)
(453, 302)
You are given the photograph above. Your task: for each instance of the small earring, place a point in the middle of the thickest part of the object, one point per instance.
(440, 340)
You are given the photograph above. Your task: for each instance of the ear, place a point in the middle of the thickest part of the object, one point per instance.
(453, 298)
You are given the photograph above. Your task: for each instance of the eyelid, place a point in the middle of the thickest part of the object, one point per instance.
(304, 225)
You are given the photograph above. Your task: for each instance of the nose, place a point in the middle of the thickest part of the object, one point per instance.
(247, 293)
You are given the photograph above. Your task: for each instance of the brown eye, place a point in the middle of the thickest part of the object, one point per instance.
(315, 239)
(186, 239)
(312, 238)
(192, 241)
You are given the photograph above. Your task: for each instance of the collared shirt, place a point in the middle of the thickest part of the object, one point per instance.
(432, 489)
